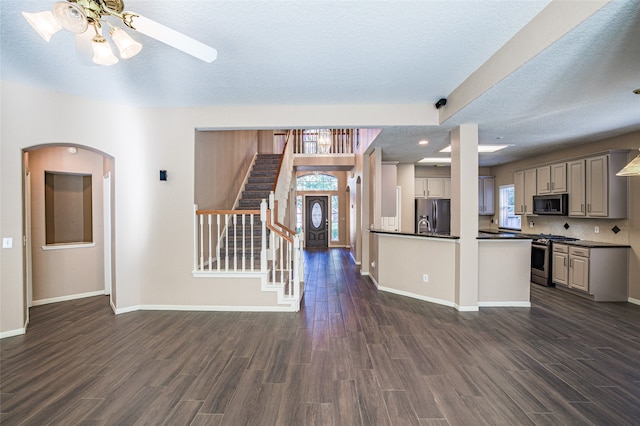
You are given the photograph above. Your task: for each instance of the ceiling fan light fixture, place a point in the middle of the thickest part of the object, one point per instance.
(631, 169)
(127, 46)
(102, 53)
(71, 16)
(44, 23)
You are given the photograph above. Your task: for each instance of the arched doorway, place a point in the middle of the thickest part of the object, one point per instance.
(68, 222)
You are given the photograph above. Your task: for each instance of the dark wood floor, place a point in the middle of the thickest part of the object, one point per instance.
(351, 356)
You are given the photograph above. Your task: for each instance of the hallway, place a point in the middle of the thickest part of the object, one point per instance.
(351, 356)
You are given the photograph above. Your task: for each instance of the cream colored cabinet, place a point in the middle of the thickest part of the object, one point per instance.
(597, 186)
(447, 187)
(560, 262)
(576, 183)
(598, 271)
(437, 187)
(579, 268)
(420, 188)
(595, 190)
(551, 179)
(525, 189)
(485, 195)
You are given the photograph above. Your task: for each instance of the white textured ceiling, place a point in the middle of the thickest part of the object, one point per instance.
(361, 52)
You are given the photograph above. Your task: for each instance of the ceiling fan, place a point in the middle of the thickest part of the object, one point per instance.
(85, 18)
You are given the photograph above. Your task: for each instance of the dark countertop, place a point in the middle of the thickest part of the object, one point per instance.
(593, 244)
(446, 236)
(502, 236)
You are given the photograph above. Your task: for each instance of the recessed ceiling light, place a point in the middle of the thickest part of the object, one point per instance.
(423, 142)
(435, 160)
(481, 148)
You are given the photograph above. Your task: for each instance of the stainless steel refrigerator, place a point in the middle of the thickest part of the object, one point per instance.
(437, 211)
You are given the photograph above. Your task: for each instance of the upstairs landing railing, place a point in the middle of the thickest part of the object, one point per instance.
(341, 141)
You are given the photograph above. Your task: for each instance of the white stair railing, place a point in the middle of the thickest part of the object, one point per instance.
(280, 261)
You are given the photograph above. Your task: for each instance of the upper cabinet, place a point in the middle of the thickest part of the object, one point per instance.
(525, 188)
(485, 195)
(594, 188)
(439, 187)
(552, 179)
(420, 188)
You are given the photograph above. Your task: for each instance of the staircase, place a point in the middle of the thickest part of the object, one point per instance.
(258, 187)
(260, 183)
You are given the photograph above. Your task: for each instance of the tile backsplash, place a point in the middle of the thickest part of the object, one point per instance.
(583, 229)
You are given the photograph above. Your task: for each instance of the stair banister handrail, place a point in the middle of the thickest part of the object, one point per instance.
(285, 173)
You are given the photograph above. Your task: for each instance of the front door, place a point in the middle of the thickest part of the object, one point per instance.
(316, 222)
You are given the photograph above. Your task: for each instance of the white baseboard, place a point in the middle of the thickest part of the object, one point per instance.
(67, 298)
(504, 304)
(466, 308)
(12, 333)
(417, 296)
(203, 308)
(634, 301)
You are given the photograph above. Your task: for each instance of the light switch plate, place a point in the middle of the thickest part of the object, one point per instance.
(7, 242)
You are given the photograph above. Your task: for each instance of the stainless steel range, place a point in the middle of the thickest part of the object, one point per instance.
(541, 265)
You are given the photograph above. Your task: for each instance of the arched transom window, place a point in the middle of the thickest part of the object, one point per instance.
(317, 182)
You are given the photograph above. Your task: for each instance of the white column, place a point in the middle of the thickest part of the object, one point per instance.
(464, 212)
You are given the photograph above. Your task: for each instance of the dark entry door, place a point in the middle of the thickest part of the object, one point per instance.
(316, 222)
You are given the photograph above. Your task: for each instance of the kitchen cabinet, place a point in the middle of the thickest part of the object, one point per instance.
(599, 272)
(432, 187)
(420, 188)
(595, 190)
(485, 195)
(576, 184)
(551, 179)
(560, 262)
(579, 268)
(524, 188)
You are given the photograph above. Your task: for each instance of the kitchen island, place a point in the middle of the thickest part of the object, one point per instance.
(424, 266)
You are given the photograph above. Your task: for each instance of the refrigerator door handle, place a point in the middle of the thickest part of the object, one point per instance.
(434, 226)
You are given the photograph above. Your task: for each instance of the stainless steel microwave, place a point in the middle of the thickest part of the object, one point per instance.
(557, 204)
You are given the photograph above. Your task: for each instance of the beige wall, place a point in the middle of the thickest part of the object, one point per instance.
(418, 256)
(222, 160)
(584, 228)
(72, 271)
(153, 220)
(407, 202)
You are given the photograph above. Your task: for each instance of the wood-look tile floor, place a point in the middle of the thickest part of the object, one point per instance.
(351, 356)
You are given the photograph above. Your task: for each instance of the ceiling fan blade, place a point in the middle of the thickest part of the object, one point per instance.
(173, 38)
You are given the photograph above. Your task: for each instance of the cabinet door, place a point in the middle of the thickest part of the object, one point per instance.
(435, 188)
(543, 180)
(579, 273)
(485, 196)
(559, 178)
(560, 268)
(420, 188)
(529, 190)
(598, 186)
(518, 189)
(576, 188)
(447, 187)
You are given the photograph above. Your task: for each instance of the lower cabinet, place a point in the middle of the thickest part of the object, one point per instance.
(560, 262)
(600, 273)
(579, 268)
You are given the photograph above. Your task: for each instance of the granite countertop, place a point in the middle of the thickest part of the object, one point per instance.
(502, 236)
(593, 244)
(445, 236)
